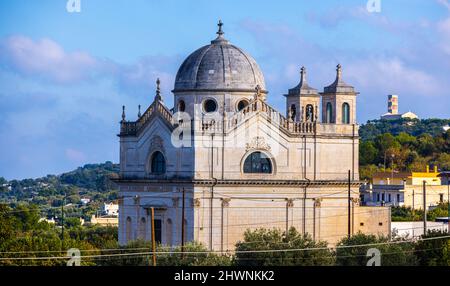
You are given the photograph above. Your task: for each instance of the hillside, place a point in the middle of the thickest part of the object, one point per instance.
(403, 145)
(90, 181)
(414, 127)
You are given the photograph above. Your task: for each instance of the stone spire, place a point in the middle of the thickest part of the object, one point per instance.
(338, 72)
(158, 90)
(303, 76)
(220, 39)
(338, 85)
(139, 111)
(302, 88)
(123, 113)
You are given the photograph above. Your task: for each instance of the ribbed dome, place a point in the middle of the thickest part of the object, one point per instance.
(219, 66)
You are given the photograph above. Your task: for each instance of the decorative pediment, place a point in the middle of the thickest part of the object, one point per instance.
(157, 143)
(258, 142)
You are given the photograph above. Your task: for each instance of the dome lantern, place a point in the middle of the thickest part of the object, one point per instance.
(219, 66)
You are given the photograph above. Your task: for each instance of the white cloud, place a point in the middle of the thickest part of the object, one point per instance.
(445, 3)
(75, 155)
(46, 58)
(443, 27)
(390, 75)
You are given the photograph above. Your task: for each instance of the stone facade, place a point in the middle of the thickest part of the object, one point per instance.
(240, 163)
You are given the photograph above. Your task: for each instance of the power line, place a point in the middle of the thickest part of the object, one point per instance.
(235, 252)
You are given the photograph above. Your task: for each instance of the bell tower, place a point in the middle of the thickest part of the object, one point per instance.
(339, 101)
(302, 101)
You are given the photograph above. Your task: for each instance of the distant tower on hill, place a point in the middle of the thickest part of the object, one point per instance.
(392, 113)
(393, 104)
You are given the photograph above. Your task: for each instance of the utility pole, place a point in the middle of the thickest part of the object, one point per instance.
(349, 220)
(308, 181)
(413, 213)
(304, 212)
(392, 168)
(182, 225)
(446, 174)
(424, 208)
(62, 221)
(152, 210)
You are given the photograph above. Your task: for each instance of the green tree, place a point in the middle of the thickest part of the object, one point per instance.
(443, 161)
(426, 145)
(273, 241)
(199, 257)
(434, 250)
(353, 251)
(406, 139)
(385, 144)
(367, 153)
(366, 172)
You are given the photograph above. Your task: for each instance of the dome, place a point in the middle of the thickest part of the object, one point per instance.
(219, 66)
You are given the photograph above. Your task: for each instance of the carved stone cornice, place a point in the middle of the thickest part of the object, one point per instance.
(196, 203)
(318, 202)
(225, 202)
(289, 203)
(355, 201)
(157, 143)
(258, 142)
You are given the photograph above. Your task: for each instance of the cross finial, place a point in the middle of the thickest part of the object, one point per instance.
(123, 113)
(338, 71)
(220, 32)
(158, 90)
(303, 74)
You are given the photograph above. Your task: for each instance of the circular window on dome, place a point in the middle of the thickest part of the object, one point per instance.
(209, 105)
(242, 104)
(181, 106)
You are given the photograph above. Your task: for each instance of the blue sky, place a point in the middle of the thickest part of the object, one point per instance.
(64, 76)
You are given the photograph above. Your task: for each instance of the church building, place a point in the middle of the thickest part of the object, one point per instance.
(238, 162)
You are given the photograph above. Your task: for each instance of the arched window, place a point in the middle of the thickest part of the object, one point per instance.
(181, 106)
(309, 112)
(329, 113)
(158, 163)
(242, 104)
(257, 162)
(293, 111)
(345, 113)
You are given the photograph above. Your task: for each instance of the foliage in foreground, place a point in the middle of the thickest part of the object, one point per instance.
(391, 253)
(273, 240)
(22, 235)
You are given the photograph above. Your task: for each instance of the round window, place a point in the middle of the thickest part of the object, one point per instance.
(209, 105)
(242, 104)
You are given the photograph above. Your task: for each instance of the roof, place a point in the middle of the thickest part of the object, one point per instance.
(339, 86)
(219, 66)
(396, 175)
(302, 88)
